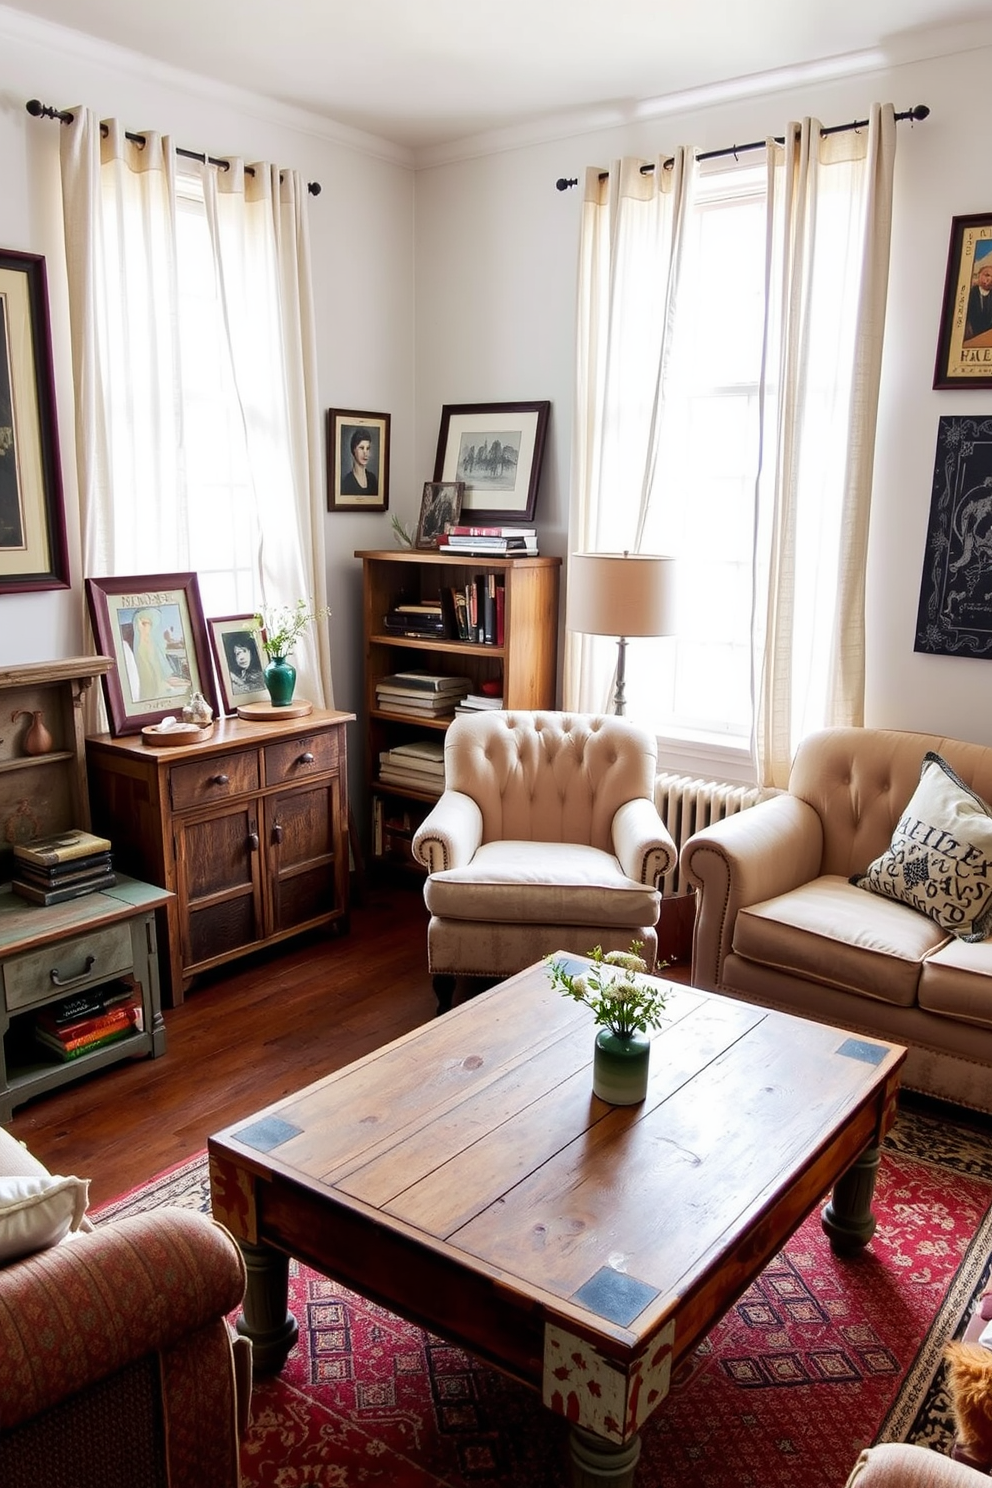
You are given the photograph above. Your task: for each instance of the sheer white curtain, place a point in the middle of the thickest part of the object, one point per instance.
(829, 225)
(629, 255)
(120, 225)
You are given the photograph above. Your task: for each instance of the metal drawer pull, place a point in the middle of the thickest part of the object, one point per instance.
(305, 759)
(253, 841)
(276, 832)
(220, 780)
(57, 981)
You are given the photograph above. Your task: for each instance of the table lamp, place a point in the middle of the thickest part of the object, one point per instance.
(621, 594)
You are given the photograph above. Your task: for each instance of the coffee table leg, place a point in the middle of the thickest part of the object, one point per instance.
(266, 1319)
(847, 1218)
(597, 1462)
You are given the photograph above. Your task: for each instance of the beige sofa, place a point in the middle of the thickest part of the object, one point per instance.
(777, 921)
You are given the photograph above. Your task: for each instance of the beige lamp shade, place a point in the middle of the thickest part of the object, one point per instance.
(621, 594)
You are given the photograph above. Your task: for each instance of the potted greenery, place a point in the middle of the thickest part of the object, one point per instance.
(625, 1010)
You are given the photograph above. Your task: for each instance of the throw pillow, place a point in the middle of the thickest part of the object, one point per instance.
(38, 1212)
(940, 858)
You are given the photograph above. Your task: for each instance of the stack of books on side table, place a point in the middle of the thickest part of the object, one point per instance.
(77, 1025)
(418, 766)
(420, 694)
(65, 865)
(497, 542)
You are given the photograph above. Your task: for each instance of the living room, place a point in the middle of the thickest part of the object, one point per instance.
(412, 244)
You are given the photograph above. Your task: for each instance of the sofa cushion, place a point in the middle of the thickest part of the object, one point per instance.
(940, 858)
(563, 883)
(37, 1212)
(820, 932)
(956, 982)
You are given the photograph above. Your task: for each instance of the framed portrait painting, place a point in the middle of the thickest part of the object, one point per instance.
(496, 449)
(964, 344)
(32, 514)
(440, 508)
(152, 626)
(357, 461)
(240, 664)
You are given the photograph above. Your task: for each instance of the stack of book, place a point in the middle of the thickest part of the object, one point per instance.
(90, 1020)
(418, 766)
(415, 618)
(65, 865)
(420, 694)
(476, 702)
(498, 542)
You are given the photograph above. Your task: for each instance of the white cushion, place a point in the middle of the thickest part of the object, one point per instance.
(38, 1212)
(557, 883)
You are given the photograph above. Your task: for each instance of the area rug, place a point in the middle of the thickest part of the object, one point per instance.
(821, 1357)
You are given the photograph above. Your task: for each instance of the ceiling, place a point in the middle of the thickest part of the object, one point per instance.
(425, 73)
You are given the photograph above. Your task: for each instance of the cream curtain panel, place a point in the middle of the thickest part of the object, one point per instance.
(629, 249)
(829, 228)
(119, 203)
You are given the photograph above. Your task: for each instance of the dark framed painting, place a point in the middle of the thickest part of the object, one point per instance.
(496, 449)
(964, 344)
(239, 662)
(955, 610)
(153, 628)
(357, 461)
(440, 508)
(33, 551)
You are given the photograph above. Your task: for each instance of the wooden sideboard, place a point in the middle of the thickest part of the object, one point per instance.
(248, 828)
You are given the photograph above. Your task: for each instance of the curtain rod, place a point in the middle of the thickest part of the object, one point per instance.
(920, 111)
(39, 110)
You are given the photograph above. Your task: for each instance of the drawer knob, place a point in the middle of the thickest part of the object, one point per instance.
(305, 759)
(276, 832)
(58, 981)
(220, 780)
(253, 841)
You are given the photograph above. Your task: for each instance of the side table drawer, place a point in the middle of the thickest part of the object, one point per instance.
(67, 967)
(309, 754)
(202, 782)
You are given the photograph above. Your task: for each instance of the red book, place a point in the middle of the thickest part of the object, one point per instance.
(493, 531)
(500, 610)
(69, 1034)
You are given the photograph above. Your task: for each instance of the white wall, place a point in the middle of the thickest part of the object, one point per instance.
(496, 251)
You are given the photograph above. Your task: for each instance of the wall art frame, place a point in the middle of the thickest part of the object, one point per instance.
(497, 450)
(238, 660)
(346, 431)
(33, 551)
(440, 508)
(954, 617)
(152, 626)
(964, 342)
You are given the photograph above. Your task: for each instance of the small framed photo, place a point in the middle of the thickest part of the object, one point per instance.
(496, 449)
(152, 626)
(357, 461)
(440, 508)
(964, 345)
(240, 667)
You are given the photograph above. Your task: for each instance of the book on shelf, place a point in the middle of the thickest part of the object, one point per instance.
(87, 1030)
(411, 625)
(435, 707)
(488, 547)
(78, 870)
(35, 894)
(428, 785)
(423, 751)
(474, 702)
(60, 848)
(81, 1005)
(425, 681)
(84, 1046)
(461, 530)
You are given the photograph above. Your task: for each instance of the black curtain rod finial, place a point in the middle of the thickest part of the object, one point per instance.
(564, 182)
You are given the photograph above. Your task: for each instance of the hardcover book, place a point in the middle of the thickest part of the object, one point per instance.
(36, 895)
(61, 847)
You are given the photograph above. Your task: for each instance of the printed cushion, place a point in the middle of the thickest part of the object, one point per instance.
(37, 1212)
(940, 858)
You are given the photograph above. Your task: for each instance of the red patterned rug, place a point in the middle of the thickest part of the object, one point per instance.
(820, 1357)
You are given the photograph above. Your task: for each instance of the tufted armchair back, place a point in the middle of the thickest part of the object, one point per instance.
(549, 777)
(859, 781)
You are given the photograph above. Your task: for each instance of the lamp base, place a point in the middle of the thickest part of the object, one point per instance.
(619, 701)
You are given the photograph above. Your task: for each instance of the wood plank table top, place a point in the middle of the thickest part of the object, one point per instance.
(466, 1177)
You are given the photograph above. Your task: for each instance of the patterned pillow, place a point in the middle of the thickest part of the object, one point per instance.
(940, 858)
(37, 1212)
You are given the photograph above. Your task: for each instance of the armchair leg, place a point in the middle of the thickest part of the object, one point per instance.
(444, 991)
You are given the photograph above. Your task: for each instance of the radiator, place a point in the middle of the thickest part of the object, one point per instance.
(685, 804)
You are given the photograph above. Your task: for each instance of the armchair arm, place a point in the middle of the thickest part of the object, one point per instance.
(450, 834)
(642, 842)
(774, 846)
(896, 1465)
(84, 1309)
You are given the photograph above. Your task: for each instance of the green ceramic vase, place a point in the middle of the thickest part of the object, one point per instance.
(280, 679)
(620, 1067)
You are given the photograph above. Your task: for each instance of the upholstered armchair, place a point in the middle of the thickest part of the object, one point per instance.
(117, 1364)
(895, 1465)
(545, 838)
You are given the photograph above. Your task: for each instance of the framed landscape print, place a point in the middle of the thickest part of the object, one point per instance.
(955, 610)
(964, 345)
(496, 449)
(32, 515)
(240, 666)
(152, 626)
(357, 461)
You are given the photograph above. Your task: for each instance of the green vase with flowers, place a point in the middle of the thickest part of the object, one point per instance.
(278, 628)
(625, 1011)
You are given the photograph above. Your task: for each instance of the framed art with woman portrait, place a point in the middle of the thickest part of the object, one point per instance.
(240, 664)
(152, 626)
(964, 345)
(357, 461)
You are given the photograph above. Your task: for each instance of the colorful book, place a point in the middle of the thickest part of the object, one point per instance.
(85, 1046)
(92, 1004)
(61, 847)
(528, 533)
(70, 1034)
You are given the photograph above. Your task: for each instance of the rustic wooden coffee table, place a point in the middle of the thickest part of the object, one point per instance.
(466, 1177)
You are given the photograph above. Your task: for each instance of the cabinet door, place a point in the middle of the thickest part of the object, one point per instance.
(305, 874)
(219, 880)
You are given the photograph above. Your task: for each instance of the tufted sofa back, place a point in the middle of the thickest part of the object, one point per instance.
(859, 781)
(549, 777)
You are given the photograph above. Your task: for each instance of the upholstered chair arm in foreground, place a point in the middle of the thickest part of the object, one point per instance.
(895, 1465)
(450, 835)
(642, 843)
(766, 850)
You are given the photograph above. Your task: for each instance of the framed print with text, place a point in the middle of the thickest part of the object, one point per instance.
(496, 449)
(964, 344)
(357, 461)
(152, 626)
(32, 514)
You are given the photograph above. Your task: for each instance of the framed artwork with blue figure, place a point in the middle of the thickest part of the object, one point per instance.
(964, 346)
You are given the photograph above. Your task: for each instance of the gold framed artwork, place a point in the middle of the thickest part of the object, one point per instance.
(964, 345)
